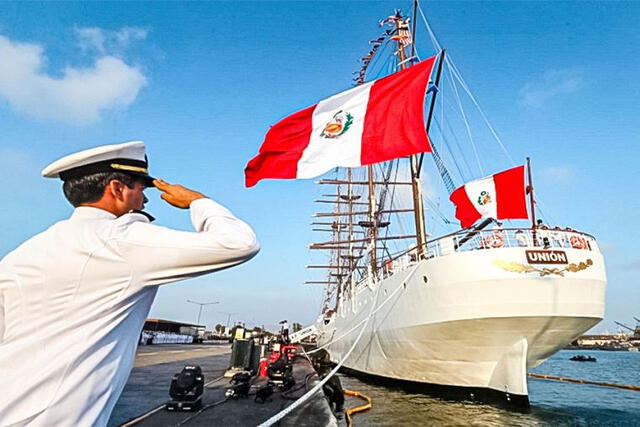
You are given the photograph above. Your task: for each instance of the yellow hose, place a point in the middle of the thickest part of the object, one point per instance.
(573, 380)
(356, 409)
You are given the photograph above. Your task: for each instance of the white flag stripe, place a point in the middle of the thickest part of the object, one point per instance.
(482, 194)
(323, 154)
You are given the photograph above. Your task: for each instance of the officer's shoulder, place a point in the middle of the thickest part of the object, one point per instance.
(134, 217)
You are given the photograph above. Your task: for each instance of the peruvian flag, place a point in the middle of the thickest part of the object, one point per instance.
(499, 196)
(376, 121)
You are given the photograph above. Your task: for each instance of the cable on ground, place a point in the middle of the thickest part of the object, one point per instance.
(204, 408)
(146, 415)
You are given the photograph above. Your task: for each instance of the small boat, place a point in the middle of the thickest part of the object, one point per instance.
(583, 358)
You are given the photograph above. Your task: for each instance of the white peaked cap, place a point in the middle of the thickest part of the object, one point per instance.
(127, 157)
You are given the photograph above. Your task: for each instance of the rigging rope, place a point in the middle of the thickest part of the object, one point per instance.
(444, 173)
(277, 417)
(454, 72)
(464, 177)
(464, 119)
(463, 84)
(480, 110)
(402, 284)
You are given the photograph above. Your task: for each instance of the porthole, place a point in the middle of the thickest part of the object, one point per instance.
(425, 279)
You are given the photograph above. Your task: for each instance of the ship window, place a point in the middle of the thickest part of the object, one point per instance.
(425, 279)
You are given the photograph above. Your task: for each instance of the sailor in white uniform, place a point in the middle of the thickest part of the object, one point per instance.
(74, 298)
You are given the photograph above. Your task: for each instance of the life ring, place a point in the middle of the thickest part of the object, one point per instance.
(495, 240)
(577, 242)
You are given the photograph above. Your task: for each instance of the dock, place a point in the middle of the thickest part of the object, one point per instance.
(147, 390)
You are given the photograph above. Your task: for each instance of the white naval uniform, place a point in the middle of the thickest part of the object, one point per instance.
(74, 298)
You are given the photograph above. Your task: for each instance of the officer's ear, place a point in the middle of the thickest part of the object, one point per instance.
(115, 188)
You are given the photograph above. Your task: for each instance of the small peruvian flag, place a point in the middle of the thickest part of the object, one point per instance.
(374, 122)
(499, 196)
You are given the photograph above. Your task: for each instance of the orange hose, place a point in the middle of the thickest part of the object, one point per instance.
(356, 409)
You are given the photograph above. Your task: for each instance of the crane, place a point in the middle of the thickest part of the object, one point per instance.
(636, 331)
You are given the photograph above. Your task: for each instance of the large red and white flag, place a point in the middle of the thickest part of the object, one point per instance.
(374, 122)
(499, 196)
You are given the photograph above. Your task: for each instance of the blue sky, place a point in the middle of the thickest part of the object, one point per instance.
(200, 83)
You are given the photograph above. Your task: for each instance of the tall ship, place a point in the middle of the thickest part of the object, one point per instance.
(464, 314)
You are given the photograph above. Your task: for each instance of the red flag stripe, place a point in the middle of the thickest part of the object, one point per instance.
(390, 128)
(282, 148)
(510, 196)
(466, 213)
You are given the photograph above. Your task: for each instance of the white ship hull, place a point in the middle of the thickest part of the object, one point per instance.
(468, 320)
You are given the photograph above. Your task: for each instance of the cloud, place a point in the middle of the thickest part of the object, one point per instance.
(551, 85)
(79, 96)
(102, 41)
(557, 173)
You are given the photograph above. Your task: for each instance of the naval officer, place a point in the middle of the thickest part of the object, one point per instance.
(74, 298)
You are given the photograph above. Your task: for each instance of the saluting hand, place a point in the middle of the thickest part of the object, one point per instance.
(177, 195)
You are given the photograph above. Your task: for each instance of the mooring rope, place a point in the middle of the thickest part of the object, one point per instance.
(391, 295)
(277, 417)
(280, 415)
(577, 381)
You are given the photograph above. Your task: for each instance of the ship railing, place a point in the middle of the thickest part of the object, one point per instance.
(496, 238)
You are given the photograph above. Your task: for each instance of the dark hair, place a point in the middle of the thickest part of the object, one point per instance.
(90, 188)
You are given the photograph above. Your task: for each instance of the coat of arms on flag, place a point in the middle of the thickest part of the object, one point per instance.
(339, 124)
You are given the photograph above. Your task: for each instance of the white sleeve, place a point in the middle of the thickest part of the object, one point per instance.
(158, 255)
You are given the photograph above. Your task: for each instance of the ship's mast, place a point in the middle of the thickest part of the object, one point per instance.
(339, 267)
(373, 221)
(343, 269)
(350, 210)
(416, 186)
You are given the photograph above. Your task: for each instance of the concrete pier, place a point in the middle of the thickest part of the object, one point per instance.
(148, 389)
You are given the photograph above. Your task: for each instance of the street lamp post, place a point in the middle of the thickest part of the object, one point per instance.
(201, 304)
(228, 317)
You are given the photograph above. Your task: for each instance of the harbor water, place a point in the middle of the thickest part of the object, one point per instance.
(552, 403)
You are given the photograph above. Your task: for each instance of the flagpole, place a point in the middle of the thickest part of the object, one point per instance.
(443, 53)
(532, 201)
(413, 28)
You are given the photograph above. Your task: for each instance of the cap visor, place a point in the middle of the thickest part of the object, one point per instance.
(148, 181)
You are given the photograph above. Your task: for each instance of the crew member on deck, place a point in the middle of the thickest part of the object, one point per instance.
(74, 298)
(284, 331)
